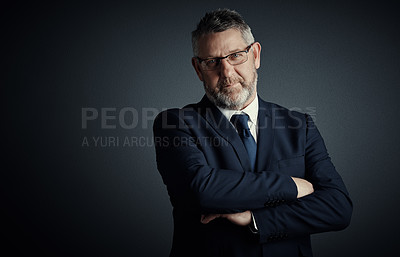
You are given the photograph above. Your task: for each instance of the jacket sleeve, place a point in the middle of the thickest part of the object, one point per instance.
(184, 170)
(329, 208)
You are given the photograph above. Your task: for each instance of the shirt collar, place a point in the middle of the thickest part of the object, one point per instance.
(251, 110)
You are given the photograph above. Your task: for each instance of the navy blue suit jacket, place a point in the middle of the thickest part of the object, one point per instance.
(206, 169)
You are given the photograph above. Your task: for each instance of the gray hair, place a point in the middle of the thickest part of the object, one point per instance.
(219, 21)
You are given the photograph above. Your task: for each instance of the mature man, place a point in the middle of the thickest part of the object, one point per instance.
(245, 177)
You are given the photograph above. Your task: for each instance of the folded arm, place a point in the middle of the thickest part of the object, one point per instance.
(184, 167)
(246, 218)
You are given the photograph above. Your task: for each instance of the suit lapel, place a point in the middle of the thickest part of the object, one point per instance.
(225, 129)
(265, 137)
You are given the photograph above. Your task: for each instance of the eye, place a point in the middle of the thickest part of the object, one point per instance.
(211, 62)
(236, 55)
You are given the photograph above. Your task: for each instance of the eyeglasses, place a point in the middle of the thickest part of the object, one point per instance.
(233, 59)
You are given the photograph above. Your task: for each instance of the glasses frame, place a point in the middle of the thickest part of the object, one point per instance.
(219, 59)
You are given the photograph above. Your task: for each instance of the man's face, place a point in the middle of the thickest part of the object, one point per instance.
(228, 86)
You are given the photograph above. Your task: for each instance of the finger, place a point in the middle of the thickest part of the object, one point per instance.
(207, 218)
(203, 219)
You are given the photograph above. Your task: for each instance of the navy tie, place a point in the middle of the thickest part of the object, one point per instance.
(240, 121)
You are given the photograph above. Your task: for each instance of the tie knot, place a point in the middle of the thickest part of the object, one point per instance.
(240, 121)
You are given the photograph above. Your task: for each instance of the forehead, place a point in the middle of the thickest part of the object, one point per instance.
(221, 43)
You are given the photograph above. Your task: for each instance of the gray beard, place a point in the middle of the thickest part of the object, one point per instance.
(223, 97)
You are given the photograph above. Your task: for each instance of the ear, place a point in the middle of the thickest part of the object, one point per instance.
(256, 52)
(196, 67)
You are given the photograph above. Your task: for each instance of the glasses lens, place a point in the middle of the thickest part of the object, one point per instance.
(210, 64)
(237, 58)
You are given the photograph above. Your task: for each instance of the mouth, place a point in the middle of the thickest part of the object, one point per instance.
(230, 85)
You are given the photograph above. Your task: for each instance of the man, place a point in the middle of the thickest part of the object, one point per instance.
(245, 177)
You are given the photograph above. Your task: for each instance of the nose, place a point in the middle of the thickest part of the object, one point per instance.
(226, 68)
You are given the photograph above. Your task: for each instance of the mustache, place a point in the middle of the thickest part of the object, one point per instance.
(229, 81)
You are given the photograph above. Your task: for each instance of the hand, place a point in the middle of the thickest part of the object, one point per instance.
(303, 187)
(241, 218)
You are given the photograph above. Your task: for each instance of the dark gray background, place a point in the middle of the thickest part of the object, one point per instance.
(340, 59)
